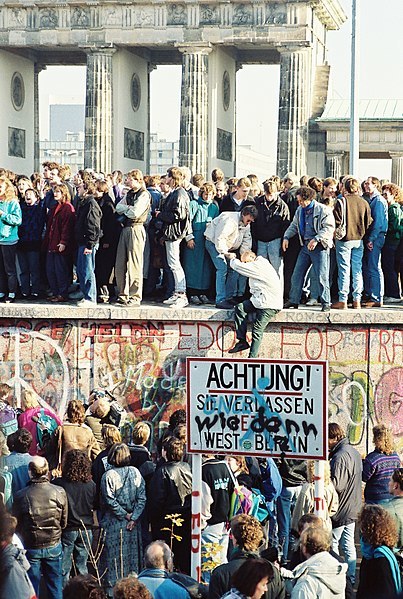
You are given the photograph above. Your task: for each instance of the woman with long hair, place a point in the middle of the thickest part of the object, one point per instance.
(76, 434)
(123, 497)
(80, 489)
(379, 571)
(59, 243)
(379, 465)
(10, 219)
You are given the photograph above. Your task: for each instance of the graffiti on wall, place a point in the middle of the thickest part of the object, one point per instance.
(143, 365)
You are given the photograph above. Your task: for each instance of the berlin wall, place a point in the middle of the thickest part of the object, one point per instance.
(143, 362)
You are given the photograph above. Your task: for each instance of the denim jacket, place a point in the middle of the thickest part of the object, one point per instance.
(379, 213)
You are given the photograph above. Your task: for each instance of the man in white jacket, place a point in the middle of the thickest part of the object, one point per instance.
(266, 299)
(228, 232)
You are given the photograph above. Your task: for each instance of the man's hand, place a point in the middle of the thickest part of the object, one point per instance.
(87, 251)
(312, 245)
(191, 244)
(370, 246)
(285, 245)
(230, 255)
(61, 247)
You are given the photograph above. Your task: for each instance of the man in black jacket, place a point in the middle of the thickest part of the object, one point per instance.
(88, 233)
(217, 476)
(41, 511)
(346, 472)
(247, 535)
(269, 227)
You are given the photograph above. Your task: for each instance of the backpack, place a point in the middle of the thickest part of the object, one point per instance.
(8, 420)
(249, 501)
(6, 490)
(46, 427)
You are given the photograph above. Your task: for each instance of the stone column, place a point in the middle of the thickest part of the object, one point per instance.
(98, 110)
(397, 168)
(37, 158)
(334, 164)
(194, 108)
(295, 93)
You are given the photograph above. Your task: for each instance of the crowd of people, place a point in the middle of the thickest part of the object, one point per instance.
(96, 514)
(180, 239)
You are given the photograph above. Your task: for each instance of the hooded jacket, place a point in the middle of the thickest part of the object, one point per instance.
(14, 580)
(319, 577)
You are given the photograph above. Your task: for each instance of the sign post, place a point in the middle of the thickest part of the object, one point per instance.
(258, 408)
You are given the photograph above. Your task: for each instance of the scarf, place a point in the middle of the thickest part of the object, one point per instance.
(302, 218)
(370, 552)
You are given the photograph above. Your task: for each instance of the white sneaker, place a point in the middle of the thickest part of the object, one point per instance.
(181, 301)
(312, 302)
(392, 300)
(84, 303)
(171, 299)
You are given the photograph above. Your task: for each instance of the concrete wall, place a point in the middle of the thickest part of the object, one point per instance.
(219, 62)
(143, 361)
(124, 65)
(18, 119)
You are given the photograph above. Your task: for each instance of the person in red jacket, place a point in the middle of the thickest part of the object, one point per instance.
(59, 243)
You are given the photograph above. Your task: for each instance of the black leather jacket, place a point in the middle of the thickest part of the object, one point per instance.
(175, 215)
(41, 510)
(170, 491)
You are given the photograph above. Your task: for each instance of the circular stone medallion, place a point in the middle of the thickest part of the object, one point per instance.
(226, 90)
(135, 92)
(17, 91)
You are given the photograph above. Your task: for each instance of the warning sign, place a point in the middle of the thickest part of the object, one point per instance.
(257, 407)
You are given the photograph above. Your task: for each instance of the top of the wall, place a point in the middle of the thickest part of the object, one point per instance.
(152, 312)
(157, 22)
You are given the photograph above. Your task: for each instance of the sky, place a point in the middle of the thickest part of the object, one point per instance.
(380, 76)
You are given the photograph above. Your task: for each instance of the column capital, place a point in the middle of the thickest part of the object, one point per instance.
(194, 48)
(335, 153)
(105, 50)
(38, 67)
(396, 155)
(295, 47)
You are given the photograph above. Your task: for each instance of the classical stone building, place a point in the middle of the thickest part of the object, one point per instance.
(120, 42)
(381, 134)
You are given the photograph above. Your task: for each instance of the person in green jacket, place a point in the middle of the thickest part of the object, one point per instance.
(394, 197)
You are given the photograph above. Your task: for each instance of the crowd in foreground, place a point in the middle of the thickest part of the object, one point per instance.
(88, 511)
(180, 239)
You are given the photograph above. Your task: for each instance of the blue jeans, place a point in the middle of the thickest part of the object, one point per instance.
(219, 535)
(285, 504)
(48, 562)
(86, 273)
(235, 285)
(29, 266)
(319, 258)
(221, 265)
(172, 249)
(272, 251)
(349, 256)
(345, 536)
(373, 275)
(76, 543)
